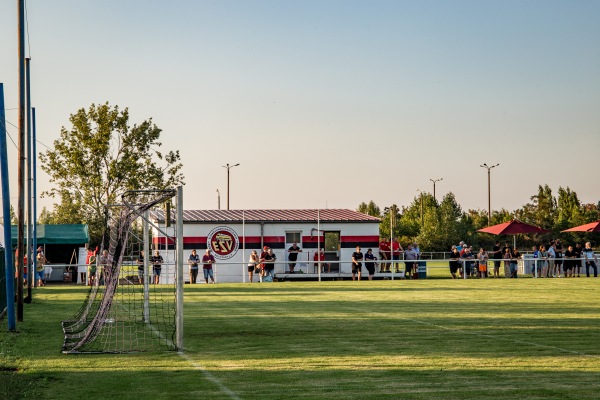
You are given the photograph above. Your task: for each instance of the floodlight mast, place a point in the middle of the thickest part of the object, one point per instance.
(434, 181)
(489, 168)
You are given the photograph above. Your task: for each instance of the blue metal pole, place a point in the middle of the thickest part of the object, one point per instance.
(8, 267)
(34, 162)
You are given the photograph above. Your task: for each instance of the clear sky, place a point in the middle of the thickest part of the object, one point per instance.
(330, 103)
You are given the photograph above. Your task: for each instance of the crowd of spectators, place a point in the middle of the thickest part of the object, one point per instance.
(549, 260)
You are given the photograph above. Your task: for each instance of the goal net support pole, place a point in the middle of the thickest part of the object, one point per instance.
(179, 274)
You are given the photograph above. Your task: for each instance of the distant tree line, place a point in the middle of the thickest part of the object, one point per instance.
(436, 226)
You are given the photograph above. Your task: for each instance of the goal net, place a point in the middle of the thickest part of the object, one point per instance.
(125, 309)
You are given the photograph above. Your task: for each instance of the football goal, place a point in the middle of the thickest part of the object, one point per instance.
(127, 309)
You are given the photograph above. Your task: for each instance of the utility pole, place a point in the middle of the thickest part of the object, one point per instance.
(434, 181)
(489, 168)
(228, 168)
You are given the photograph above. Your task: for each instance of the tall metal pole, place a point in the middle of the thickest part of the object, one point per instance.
(218, 199)
(34, 164)
(434, 181)
(146, 266)
(8, 259)
(21, 168)
(179, 277)
(489, 168)
(228, 168)
(29, 241)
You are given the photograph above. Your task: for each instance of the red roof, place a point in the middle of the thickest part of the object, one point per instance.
(324, 215)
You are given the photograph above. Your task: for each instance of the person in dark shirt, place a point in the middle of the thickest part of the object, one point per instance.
(569, 256)
(454, 262)
(497, 257)
(577, 264)
(293, 256)
(156, 261)
(514, 263)
(357, 257)
(140, 264)
(370, 263)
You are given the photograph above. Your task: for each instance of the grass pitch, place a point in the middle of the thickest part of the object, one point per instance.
(426, 339)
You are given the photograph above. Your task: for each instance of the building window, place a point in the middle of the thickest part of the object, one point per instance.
(293, 237)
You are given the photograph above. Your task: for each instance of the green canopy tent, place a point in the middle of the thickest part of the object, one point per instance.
(59, 241)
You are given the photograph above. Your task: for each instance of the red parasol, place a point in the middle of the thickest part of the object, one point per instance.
(512, 228)
(591, 227)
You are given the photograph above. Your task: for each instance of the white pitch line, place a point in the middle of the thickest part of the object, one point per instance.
(210, 377)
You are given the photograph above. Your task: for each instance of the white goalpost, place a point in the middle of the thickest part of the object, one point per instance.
(124, 310)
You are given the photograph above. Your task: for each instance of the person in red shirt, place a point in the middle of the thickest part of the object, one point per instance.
(396, 250)
(207, 261)
(384, 254)
(319, 259)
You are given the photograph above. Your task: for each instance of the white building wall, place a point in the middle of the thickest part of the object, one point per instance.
(234, 269)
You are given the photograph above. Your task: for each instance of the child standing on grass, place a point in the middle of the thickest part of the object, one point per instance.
(483, 259)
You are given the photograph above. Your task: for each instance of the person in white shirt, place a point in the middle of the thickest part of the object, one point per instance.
(590, 260)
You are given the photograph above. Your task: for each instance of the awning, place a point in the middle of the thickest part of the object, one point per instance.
(57, 234)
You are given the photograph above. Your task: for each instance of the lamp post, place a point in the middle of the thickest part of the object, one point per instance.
(434, 181)
(228, 168)
(421, 196)
(218, 199)
(489, 168)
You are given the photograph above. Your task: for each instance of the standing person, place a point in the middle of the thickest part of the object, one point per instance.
(417, 250)
(514, 263)
(91, 269)
(193, 261)
(569, 262)
(207, 262)
(253, 265)
(261, 258)
(410, 255)
(590, 260)
(82, 274)
(577, 264)
(497, 257)
(370, 263)
(141, 266)
(551, 257)
(396, 251)
(543, 261)
(384, 255)
(270, 259)
(454, 261)
(558, 263)
(482, 257)
(467, 255)
(105, 267)
(357, 257)
(39, 268)
(319, 259)
(156, 261)
(535, 269)
(293, 256)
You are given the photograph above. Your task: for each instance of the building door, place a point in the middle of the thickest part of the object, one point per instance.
(332, 250)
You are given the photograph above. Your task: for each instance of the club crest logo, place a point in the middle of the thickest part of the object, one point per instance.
(223, 242)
